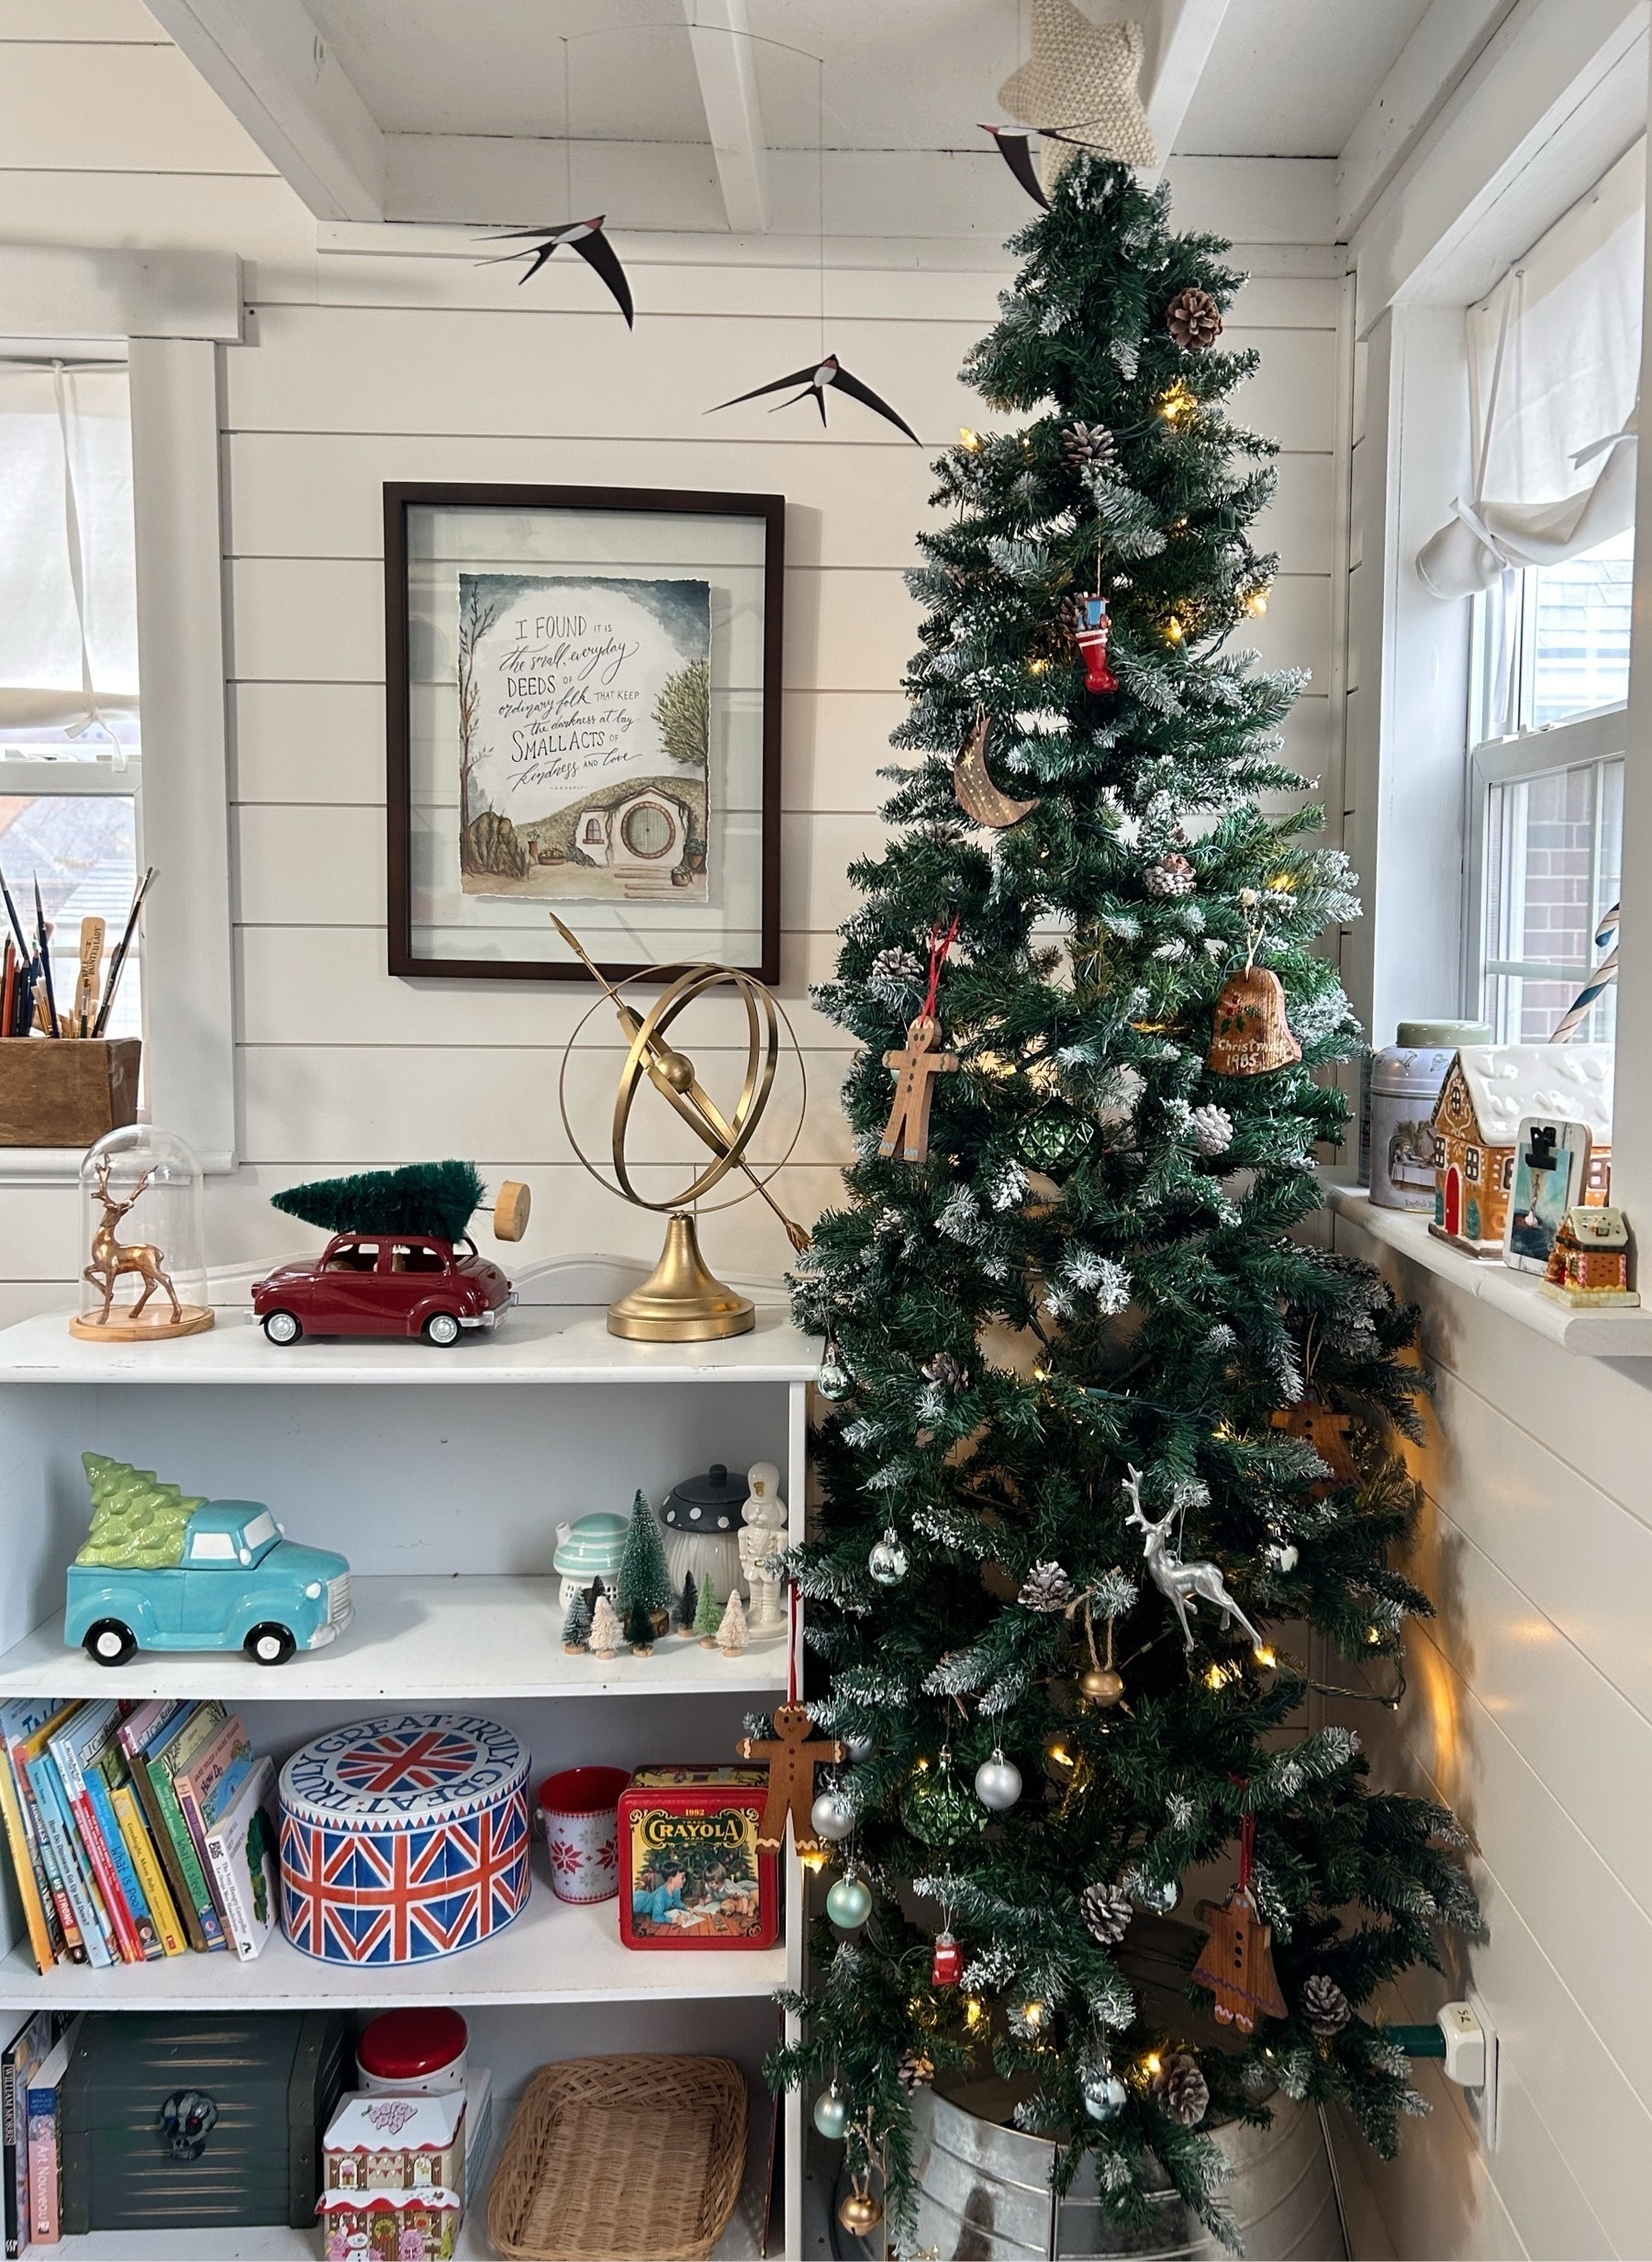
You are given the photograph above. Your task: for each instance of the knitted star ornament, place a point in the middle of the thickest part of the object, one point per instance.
(1080, 84)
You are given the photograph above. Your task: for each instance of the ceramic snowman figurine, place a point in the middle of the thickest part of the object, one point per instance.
(762, 1536)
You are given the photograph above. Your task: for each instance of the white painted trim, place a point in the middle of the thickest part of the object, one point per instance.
(1427, 73)
(720, 40)
(51, 295)
(270, 68)
(1182, 35)
(188, 996)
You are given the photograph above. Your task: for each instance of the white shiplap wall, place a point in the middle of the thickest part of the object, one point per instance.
(363, 365)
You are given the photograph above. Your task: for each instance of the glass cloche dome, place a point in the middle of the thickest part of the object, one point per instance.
(141, 1227)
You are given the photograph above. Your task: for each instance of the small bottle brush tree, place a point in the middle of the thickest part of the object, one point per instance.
(1096, 1255)
(644, 1581)
(707, 1613)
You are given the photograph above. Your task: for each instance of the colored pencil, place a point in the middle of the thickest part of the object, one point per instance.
(118, 956)
(44, 933)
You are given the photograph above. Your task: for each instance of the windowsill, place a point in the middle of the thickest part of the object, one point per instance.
(1592, 1334)
(40, 1166)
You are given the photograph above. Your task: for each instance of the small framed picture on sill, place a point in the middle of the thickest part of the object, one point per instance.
(584, 720)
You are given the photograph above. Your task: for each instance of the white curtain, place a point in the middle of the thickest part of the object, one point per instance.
(1554, 374)
(68, 588)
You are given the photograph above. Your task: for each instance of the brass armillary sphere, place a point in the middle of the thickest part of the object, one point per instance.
(681, 1301)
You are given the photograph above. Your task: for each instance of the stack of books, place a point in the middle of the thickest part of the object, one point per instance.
(31, 2070)
(137, 1830)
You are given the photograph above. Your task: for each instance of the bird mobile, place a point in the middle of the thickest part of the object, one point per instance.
(585, 236)
(814, 382)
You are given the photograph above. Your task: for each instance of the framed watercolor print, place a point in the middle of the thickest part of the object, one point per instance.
(584, 722)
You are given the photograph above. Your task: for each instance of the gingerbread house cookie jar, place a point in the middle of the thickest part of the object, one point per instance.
(1477, 1124)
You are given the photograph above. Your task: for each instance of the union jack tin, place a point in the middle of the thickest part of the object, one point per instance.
(403, 1837)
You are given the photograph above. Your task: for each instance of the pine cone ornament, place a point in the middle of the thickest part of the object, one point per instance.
(1172, 875)
(1088, 443)
(1181, 2088)
(895, 968)
(945, 1371)
(1107, 1910)
(1048, 1588)
(1213, 1129)
(1194, 321)
(916, 2071)
(1325, 2006)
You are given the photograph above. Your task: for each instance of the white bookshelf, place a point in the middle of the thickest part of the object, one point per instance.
(442, 1476)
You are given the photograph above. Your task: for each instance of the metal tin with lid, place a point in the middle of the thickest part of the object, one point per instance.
(414, 2050)
(1400, 1086)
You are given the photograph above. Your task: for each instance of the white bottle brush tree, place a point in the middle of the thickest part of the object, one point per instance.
(1093, 1270)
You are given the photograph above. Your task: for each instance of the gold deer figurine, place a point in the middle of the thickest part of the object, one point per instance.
(112, 1257)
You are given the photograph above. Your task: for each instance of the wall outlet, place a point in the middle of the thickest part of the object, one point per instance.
(1471, 2038)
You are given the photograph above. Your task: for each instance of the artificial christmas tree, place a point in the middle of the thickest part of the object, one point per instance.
(1097, 1239)
(645, 1583)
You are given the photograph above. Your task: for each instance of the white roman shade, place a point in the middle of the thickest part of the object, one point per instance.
(68, 601)
(1554, 373)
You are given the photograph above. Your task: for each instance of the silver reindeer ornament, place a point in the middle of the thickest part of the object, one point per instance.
(1183, 1586)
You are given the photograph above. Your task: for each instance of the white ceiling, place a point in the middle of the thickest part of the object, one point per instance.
(1286, 77)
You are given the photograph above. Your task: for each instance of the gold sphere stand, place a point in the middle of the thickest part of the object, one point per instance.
(681, 1301)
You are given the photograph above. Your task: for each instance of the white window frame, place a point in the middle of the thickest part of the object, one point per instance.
(172, 312)
(1586, 740)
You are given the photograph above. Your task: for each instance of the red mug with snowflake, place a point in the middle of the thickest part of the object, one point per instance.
(578, 1809)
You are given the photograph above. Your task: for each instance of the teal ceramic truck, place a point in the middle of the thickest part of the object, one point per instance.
(235, 1584)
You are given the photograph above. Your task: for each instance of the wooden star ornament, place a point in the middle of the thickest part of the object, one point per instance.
(793, 1753)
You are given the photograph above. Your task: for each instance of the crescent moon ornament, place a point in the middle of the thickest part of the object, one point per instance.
(979, 798)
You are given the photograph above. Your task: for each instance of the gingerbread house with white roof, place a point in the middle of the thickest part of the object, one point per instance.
(1477, 1118)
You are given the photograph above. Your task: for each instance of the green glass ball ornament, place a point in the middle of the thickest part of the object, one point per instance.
(834, 1379)
(939, 1809)
(1056, 1137)
(832, 2113)
(1105, 2095)
(849, 1903)
(888, 1561)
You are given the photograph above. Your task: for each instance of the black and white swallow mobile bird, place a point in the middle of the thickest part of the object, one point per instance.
(1015, 147)
(815, 380)
(586, 238)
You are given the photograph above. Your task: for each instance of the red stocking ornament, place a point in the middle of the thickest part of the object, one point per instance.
(1090, 636)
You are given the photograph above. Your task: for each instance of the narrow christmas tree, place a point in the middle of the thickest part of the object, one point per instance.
(644, 1578)
(640, 1631)
(687, 1604)
(576, 1626)
(1070, 1487)
(708, 1614)
(732, 1627)
(605, 1629)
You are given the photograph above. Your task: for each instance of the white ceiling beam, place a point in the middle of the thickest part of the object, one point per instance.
(719, 35)
(1181, 36)
(1427, 71)
(275, 74)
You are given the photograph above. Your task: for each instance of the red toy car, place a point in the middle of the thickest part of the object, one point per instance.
(383, 1283)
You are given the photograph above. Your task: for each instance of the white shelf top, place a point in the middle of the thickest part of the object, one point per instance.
(1597, 1333)
(414, 1640)
(552, 1953)
(532, 1344)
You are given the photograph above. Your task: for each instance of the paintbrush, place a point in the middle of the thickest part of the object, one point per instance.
(117, 956)
(25, 956)
(44, 932)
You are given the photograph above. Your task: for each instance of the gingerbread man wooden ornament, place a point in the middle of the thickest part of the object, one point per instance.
(793, 1753)
(1321, 1427)
(916, 1068)
(1236, 1962)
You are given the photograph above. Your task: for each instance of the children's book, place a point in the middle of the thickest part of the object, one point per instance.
(77, 1749)
(34, 1890)
(139, 1736)
(241, 1847)
(146, 1861)
(62, 1840)
(176, 1745)
(18, 1721)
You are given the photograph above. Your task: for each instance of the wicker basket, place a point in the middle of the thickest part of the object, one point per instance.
(640, 2157)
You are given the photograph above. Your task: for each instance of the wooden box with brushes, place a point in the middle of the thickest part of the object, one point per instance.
(79, 1083)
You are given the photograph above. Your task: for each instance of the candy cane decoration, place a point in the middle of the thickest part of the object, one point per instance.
(1602, 979)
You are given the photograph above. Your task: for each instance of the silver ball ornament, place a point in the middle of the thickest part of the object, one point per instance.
(1158, 1898)
(849, 1903)
(1281, 1556)
(831, 1816)
(860, 1748)
(888, 1561)
(832, 2113)
(997, 1782)
(1105, 2096)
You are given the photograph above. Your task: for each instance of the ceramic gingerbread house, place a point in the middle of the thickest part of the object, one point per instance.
(1590, 1262)
(1476, 1119)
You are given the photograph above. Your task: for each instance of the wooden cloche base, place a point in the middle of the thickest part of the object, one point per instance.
(149, 1326)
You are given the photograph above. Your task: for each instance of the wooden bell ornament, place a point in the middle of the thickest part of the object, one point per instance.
(1250, 1034)
(1236, 1960)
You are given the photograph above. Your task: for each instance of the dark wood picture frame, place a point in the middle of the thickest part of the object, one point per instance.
(400, 496)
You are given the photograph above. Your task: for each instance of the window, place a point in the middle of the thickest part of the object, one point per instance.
(70, 753)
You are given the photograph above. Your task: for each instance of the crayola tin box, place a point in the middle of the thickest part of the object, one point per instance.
(691, 1875)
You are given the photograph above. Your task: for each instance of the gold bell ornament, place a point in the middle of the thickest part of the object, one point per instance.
(859, 2212)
